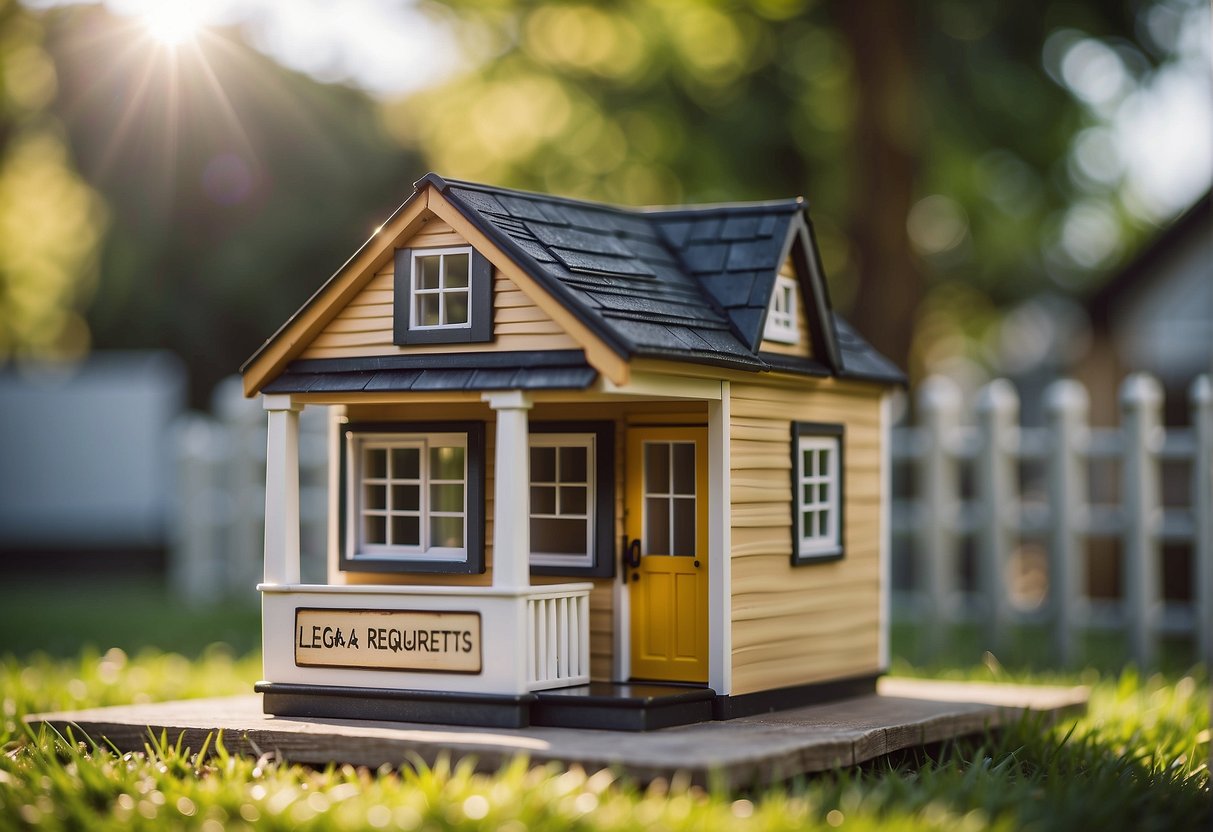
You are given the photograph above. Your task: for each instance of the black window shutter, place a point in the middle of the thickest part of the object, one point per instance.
(482, 299)
(401, 306)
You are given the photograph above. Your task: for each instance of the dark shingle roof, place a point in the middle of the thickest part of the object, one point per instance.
(860, 359)
(691, 284)
(687, 283)
(613, 268)
(734, 252)
(473, 371)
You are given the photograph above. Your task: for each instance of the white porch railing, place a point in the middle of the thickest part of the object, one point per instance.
(558, 639)
(549, 623)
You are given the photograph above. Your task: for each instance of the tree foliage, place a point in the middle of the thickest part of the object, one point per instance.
(952, 151)
(50, 219)
(929, 135)
(235, 186)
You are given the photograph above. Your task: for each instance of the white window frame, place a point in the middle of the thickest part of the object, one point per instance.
(782, 324)
(827, 541)
(587, 441)
(415, 292)
(670, 497)
(356, 546)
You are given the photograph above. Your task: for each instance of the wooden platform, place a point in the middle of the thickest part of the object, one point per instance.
(748, 751)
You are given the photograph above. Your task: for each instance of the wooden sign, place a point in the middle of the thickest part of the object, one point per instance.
(434, 642)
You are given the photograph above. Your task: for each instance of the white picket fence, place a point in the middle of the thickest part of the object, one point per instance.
(967, 494)
(998, 518)
(218, 530)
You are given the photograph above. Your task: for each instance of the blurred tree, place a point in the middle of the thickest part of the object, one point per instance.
(235, 186)
(931, 135)
(50, 220)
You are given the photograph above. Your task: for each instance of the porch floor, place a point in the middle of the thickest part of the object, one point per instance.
(743, 752)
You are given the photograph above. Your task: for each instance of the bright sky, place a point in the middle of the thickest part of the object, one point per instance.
(1159, 137)
(387, 47)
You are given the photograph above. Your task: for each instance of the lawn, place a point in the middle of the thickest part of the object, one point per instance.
(1137, 760)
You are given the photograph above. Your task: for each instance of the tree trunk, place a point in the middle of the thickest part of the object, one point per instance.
(882, 37)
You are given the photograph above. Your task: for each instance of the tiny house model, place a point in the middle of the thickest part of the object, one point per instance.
(591, 466)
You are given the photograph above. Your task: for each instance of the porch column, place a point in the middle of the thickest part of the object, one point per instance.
(511, 491)
(282, 490)
(720, 543)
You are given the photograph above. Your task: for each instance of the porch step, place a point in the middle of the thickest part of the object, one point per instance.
(622, 707)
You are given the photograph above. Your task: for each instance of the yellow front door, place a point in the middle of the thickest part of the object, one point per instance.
(667, 569)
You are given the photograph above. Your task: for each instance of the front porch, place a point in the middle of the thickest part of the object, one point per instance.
(511, 650)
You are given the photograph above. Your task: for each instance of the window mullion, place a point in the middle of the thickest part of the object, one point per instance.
(423, 497)
(669, 488)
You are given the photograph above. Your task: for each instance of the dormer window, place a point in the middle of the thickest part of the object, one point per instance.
(441, 285)
(782, 325)
(442, 296)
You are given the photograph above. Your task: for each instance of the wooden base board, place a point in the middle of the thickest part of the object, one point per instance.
(744, 752)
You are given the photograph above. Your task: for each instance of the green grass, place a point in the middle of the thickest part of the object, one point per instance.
(59, 617)
(1137, 760)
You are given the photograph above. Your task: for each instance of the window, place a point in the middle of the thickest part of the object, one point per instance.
(413, 498)
(781, 315)
(669, 498)
(817, 482)
(572, 498)
(441, 285)
(442, 295)
(562, 493)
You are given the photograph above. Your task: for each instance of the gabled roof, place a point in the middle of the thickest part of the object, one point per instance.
(689, 284)
(612, 267)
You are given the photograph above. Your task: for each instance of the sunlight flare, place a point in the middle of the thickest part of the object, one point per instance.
(172, 23)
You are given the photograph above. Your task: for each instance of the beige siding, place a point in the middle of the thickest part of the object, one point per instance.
(804, 347)
(803, 624)
(364, 326)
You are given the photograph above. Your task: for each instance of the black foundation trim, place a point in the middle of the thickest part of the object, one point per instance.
(434, 707)
(798, 696)
(622, 707)
(598, 705)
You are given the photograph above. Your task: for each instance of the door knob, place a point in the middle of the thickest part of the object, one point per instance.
(631, 556)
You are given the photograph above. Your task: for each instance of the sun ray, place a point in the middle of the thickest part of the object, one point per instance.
(228, 113)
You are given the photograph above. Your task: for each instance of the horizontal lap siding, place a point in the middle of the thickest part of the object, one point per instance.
(804, 624)
(364, 326)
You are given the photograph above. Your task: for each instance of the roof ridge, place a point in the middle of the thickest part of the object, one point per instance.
(497, 189)
(647, 211)
(756, 206)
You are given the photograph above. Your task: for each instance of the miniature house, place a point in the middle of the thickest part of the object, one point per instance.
(592, 466)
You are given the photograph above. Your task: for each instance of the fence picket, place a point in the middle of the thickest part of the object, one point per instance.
(939, 408)
(1066, 409)
(1141, 420)
(1201, 396)
(997, 416)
